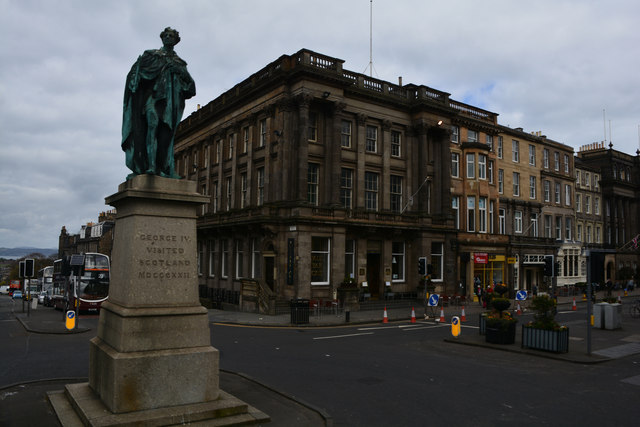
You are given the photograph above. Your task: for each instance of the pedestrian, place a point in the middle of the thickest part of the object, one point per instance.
(535, 290)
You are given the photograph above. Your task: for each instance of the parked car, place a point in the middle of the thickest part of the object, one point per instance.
(4, 290)
(41, 297)
(17, 295)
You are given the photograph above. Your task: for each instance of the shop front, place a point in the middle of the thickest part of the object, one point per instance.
(488, 269)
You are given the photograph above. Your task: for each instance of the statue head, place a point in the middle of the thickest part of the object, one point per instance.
(170, 36)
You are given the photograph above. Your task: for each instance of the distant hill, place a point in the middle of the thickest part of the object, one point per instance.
(15, 253)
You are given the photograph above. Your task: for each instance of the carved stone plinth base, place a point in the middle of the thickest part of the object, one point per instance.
(152, 362)
(78, 405)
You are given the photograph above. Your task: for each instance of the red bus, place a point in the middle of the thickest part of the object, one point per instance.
(89, 289)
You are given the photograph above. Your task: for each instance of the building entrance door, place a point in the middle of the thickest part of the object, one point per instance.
(373, 276)
(270, 272)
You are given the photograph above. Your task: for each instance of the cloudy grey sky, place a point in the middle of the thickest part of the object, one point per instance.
(543, 65)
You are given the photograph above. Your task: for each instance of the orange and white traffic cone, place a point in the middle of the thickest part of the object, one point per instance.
(573, 306)
(441, 320)
(519, 310)
(463, 318)
(385, 319)
(413, 315)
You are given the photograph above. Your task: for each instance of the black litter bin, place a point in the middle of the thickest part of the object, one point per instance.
(299, 311)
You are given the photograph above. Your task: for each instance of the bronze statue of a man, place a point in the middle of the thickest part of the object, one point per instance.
(154, 96)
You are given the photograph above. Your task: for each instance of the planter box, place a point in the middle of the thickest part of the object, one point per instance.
(501, 336)
(540, 339)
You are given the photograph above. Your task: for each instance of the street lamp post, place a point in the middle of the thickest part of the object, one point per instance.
(587, 254)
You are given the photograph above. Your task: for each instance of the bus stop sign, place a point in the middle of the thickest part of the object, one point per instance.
(70, 322)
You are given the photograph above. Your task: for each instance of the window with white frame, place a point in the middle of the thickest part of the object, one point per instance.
(534, 224)
(395, 188)
(263, 133)
(201, 249)
(566, 163)
(243, 190)
(547, 191)
(345, 134)
(587, 204)
(517, 221)
(532, 187)
(489, 141)
(260, 182)
(482, 166)
(491, 216)
(490, 168)
(557, 193)
(224, 257)
(532, 155)
(556, 161)
(567, 194)
(455, 134)
(455, 165)
(471, 213)
(232, 144)
(312, 184)
(482, 214)
(215, 197)
(239, 259)
(212, 257)
(558, 228)
(350, 258)
(471, 165)
(396, 144)
(472, 135)
(218, 151)
(547, 226)
(313, 127)
(346, 187)
(371, 142)
(545, 158)
(502, 223)
(568, 228)
(500, 181)
(320, 260)
(515, 150)
(455, 205)
(397, 261)
(579, 232)
(229, 192)
(245, 139)
(516, 184)
(437, 259)
(578, 202)
(371, 191)
(596, 205)
(256, 260)
(500, 147)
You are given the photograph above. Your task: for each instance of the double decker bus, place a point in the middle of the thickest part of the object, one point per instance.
(88, 289)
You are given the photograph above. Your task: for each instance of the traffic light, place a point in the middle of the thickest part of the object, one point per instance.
(28, 268)
(422, 266)
(548, 265)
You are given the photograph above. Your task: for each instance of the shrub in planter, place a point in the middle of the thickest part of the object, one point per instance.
(500, 324)
(544, 332)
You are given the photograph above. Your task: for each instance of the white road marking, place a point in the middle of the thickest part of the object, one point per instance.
(342, 336)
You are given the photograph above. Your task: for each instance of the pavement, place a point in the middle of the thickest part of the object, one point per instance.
(16, 401)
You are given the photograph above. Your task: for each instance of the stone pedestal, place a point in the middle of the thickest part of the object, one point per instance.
(152, 357)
